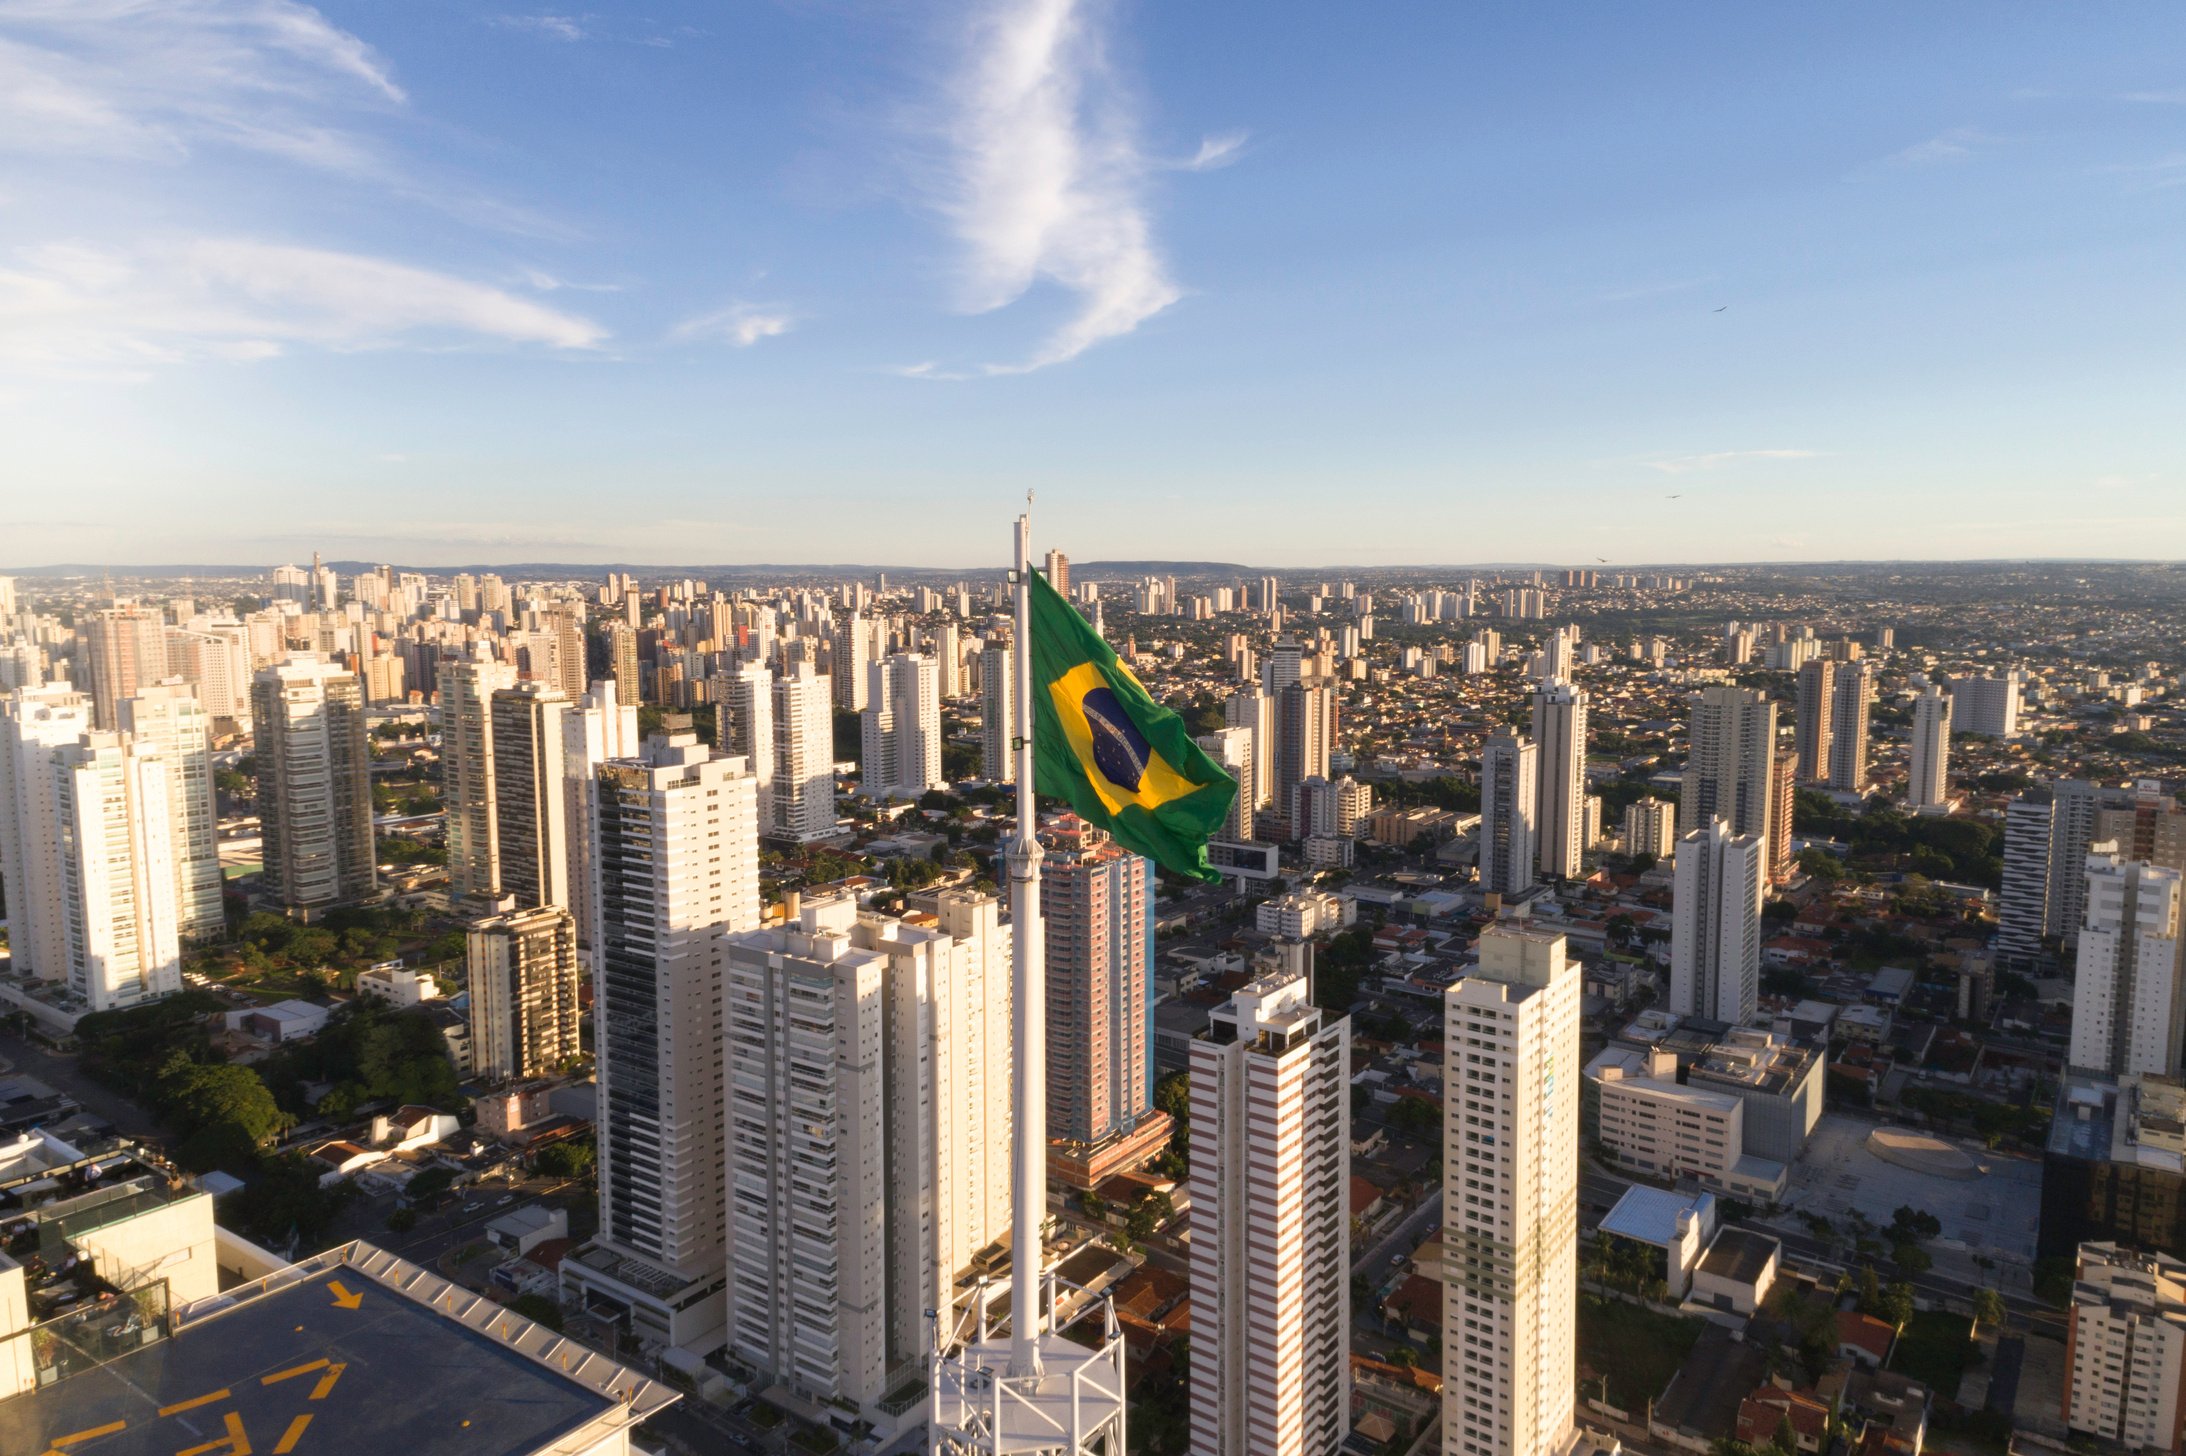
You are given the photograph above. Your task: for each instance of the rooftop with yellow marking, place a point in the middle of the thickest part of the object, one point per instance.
(353, 1353)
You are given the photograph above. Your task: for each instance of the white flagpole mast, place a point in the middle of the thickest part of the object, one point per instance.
(1028, 1181)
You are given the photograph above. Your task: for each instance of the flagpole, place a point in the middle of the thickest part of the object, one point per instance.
(1028, 954)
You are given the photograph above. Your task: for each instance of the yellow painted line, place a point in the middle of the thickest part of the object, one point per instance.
(96, 1431)
(285, 1374)
(291, 1436)
(326, 1381)
(237, 1443)
(168, 1410)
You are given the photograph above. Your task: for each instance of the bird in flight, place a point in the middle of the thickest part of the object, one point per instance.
(1603, 560)
(1718, 310)
(1677, 497)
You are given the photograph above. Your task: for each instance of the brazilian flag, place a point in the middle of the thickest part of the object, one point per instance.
(1122, 760)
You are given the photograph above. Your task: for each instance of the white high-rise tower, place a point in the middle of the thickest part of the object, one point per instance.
(902, 727)
(1929, 783)
(1715, 923)
(167, 720)
(801, 798)
(1271, 1303)
(2128, 1003)
(34, 722)
(1510, 1158)
(1508, 769)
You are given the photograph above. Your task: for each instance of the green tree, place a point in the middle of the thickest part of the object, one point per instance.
(574, 1158)
(1870, 1301)
(1173, 1095)
(1988, 1307)
(200, 1096)
(402, 1220)
(1786, 1438)
(1912, 1259)
(287, 1197)
(1897, 1304)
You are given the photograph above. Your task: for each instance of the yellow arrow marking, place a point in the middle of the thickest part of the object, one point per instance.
(106, 1430)
(168, 1410)
(326, 1381)
(291, 1436)
(343, 1297)
(237, 1443)
(285, 1374)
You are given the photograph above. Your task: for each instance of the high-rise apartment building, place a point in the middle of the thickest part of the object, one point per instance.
(1987, 705)
(530, 807)
(1817, 691)
(676, 874)
(849, 655)
(1849, 705)
(2146, 824)
(1305, 734)
(594, 730)
(868, 1085)
(2022, 910)
(1783, 801)
(1650, 827)
(167, 721)
(524, 978)
(744, 726)
(467, 687)
(997, 712)
(1731, 755)
(314, 784)
(2125, 1347)
(1097, 909)
(1058, 572)
(125, 649)
(1928, 785)
(1271, 1305)
(801, 795)
(2128, 999)
(622, 660)
(1510, 1172)
(1715, 923)
(1324, 810)
(902, 727)
(1232, 748)
(34, 724)
(1509, 768)
(1254, 711)
(1559, 738)
(122, 923)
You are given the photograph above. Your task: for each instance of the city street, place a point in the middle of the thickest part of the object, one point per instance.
(63, 1075)
(1376, 1262)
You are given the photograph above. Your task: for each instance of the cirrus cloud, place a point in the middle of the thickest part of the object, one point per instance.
(75, 310)
(1045, 177)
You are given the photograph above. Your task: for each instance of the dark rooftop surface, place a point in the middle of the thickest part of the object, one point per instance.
(1738, 1254)
(297, 1372)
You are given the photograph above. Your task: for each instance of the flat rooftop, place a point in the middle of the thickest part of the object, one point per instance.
(1650, 1214)
(298, 1370)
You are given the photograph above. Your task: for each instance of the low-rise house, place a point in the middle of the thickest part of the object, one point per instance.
(399, 988)
(282, 1021)
(521, 1230)
(1863, 1338)
(1737, 1272)
(339, 1159)
(412, 1127)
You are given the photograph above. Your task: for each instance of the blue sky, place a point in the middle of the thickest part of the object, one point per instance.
(1275, 283)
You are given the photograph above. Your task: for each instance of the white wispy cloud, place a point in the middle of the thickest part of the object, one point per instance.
(1951, 146)
(1046, 176)
(1218, 150)
(1686, 464)
(2156, 98)
(554, 27)
(73, 310)
(741, 324)
(154, 78)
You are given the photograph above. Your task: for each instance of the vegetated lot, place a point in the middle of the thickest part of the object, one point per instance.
(1933, 1350)
(1638, 1349)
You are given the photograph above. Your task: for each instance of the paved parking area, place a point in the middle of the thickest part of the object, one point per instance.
(1998, 1212)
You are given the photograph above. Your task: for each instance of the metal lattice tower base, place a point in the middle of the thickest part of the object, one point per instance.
(1074, 1407)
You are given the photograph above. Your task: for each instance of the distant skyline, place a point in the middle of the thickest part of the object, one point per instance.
(1277, 284)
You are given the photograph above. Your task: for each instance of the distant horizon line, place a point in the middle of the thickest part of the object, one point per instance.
(569, 569)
